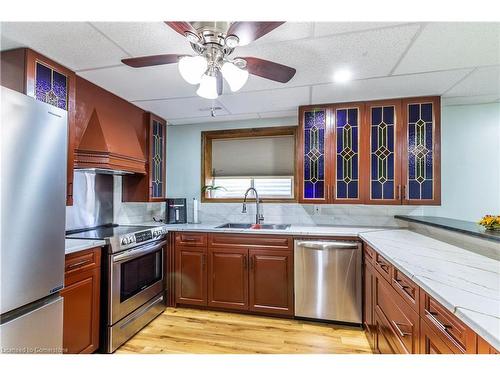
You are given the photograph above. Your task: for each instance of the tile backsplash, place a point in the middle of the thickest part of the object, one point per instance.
(289, 213)
(305, 214)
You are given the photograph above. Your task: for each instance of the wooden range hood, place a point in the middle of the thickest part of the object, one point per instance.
(112, 132)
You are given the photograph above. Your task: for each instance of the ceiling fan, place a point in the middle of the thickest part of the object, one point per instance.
(213, 44)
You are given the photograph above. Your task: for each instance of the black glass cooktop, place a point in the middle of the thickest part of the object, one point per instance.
(106, 231)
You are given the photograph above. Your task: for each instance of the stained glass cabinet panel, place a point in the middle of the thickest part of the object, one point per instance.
(348, 153)
(313, 161)
(385, 123)
(157, 154)
(421, 145)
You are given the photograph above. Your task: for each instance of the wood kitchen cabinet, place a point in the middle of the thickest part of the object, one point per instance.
(228, 278)
(244, 272)
(35, 75)
(400, 317)
(368, 311)
(398, 322)
(377, 152)
(81, 301)
(191, 275)
(270, 281)
(152, 186)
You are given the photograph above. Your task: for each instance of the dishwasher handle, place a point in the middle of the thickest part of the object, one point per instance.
(319, 245)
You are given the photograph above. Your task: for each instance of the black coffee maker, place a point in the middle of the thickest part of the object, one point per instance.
(176, 211)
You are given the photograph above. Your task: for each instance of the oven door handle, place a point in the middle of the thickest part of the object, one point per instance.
(137, 252)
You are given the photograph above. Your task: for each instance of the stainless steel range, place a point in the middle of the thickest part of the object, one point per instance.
(133, 279)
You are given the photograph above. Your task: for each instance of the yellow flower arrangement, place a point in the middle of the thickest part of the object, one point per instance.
(491, 222)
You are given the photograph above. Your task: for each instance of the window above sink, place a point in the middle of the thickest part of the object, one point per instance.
(235, 160)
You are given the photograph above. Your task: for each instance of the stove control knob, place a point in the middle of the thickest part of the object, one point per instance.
(124, 241)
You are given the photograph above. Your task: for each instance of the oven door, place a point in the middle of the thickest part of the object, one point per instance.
(136, 276)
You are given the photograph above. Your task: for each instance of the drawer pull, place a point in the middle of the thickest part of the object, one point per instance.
(383, 266)
(444, 327)
(189, 239)
(398, 329)
(78, 264)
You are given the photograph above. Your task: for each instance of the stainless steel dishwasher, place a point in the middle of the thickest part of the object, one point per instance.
(328, 280)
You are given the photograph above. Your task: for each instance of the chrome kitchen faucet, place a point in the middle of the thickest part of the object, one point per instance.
(258, 216)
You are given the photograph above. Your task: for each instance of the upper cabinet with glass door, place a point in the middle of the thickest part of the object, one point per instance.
(377, 152)
(313, 158)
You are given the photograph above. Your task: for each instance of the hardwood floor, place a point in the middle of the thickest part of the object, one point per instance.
(180, 330)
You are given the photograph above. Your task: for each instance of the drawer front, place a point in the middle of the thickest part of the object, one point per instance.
(82, 261)
(484, 348)
(383, 266)
(402, 319)
(448, 327)
(190, 239)
(248, 240)
(406, 288)
(369, 254)
(430, 342)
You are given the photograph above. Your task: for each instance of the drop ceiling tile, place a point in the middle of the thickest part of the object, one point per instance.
(209, 119)
(366, 54)
(463, 100)
(145, 38)
(265, 101)
(275, 114)
(453, 45)
(287, 31)
(181, 107)
(76, 45)
(330, 28)
(482, 81)
(388, 87)
(155, 82)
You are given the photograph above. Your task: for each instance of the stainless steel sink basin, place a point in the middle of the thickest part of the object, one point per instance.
(252, 226)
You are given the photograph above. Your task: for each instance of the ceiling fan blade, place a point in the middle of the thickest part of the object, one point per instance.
(268, 69)
(249, 31)
(220, 82)
(139, 62)
(182, 27)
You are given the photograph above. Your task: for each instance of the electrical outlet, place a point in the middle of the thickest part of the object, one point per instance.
(317, 209)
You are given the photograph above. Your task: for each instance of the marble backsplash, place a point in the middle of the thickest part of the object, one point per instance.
(288, 213)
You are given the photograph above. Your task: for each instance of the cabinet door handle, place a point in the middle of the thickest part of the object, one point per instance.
(398, 329)
(333, 192)
(327, 192)
(252, 262)
(444, 327)
(245, 261)
(78, 264)
(398, 196)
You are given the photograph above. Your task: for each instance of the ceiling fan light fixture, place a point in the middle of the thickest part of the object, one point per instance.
(208, 87)
(232, 41)
(192, 37)
(192, 68)
(235, 76)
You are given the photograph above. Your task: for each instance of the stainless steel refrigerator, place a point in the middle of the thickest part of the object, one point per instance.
(33, 189)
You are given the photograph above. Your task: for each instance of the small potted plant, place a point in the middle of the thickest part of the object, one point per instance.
(490, 222)
(210, 188)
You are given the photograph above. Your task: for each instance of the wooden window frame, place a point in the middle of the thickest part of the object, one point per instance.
(207, 138)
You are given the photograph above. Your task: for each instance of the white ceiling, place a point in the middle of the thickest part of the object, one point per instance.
(460, 61)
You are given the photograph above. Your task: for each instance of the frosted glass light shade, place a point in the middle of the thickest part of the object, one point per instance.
(208, 87)
(235, 76)
(192, 68)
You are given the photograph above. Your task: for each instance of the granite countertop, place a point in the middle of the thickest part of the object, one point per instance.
(73, 245)
(293, 230)
(466, 283)
(466, 227)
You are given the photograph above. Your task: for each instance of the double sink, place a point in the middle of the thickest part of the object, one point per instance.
(255, 226)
